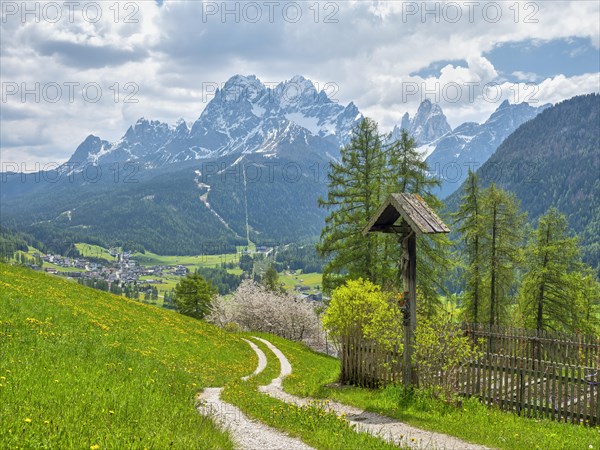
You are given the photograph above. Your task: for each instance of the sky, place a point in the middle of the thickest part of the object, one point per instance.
(70, 69)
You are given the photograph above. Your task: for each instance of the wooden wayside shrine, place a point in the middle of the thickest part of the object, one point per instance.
(407, 216)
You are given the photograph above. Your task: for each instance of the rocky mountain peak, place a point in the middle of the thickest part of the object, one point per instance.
(428, 124)
(243, 117)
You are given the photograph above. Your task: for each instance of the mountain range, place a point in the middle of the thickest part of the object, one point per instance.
(291, 120)
(251, 167)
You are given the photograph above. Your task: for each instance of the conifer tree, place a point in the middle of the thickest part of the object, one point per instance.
(468, 218)
(501, 241)
(355, 193)
(193, 295)
(270, 279)
(550, 293)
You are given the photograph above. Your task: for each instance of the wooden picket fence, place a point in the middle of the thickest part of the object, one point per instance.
(576, 349)
(509, 377)
(534, 388)
(368, 364)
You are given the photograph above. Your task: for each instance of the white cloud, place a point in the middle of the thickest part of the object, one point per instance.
(168, 52)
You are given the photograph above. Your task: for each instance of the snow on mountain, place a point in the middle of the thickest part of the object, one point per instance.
(471, 144)
(244, 117)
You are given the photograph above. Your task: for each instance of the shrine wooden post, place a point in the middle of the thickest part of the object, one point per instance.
(407, 216)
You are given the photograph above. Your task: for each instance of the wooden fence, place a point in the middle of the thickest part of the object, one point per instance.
(367, 364)
(577, 349)
(523, 385)
(534, 388)
(563, 386)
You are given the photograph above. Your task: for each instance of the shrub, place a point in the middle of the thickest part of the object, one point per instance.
(359, 308)
(366, 324)
(441, 350)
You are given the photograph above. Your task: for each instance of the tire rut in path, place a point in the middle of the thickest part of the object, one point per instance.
(247, 434)
(384, 427)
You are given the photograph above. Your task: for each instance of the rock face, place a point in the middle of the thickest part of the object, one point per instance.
(470, 145)
(428, 125)
(290, 120)
(450, 153)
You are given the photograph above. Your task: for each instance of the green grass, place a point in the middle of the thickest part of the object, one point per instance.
(311, 280)
(273, 367)
(80, 368)
(313, 373)
(94, 251)
(152, 259)
(318, 428)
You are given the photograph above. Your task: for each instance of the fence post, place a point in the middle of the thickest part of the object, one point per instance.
(521, 385)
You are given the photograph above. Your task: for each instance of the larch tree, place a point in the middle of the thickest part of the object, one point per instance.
(355, 193)
(270, 279)
(501, 241)
(193, 295)
(545, 289)
(549, 293)
(468, 218)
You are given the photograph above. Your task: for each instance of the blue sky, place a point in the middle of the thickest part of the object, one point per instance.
(156, 59)
(533, 60)
(544, 59)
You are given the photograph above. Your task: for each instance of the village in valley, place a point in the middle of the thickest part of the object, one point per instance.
(128, 273)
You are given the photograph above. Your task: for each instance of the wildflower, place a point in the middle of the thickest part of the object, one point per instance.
(27, 420)
(46, 422)
(94, 447)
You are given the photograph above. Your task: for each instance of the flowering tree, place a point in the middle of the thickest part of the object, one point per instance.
(255, 308)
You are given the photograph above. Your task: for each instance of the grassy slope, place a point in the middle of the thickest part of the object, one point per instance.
(473, 422)
(94, 251)
(152, 259)
(312, 280)
(79, 367)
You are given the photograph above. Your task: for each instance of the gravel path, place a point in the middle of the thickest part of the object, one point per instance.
(262, 360)
(375, 424)
(247, 434)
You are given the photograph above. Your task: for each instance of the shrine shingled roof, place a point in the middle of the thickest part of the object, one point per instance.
(414, 211)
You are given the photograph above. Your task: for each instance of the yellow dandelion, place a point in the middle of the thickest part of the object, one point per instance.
(46, 422)
(94, 447)
(27, 420)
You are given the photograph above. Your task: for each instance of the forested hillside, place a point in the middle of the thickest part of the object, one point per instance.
(554, 161)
